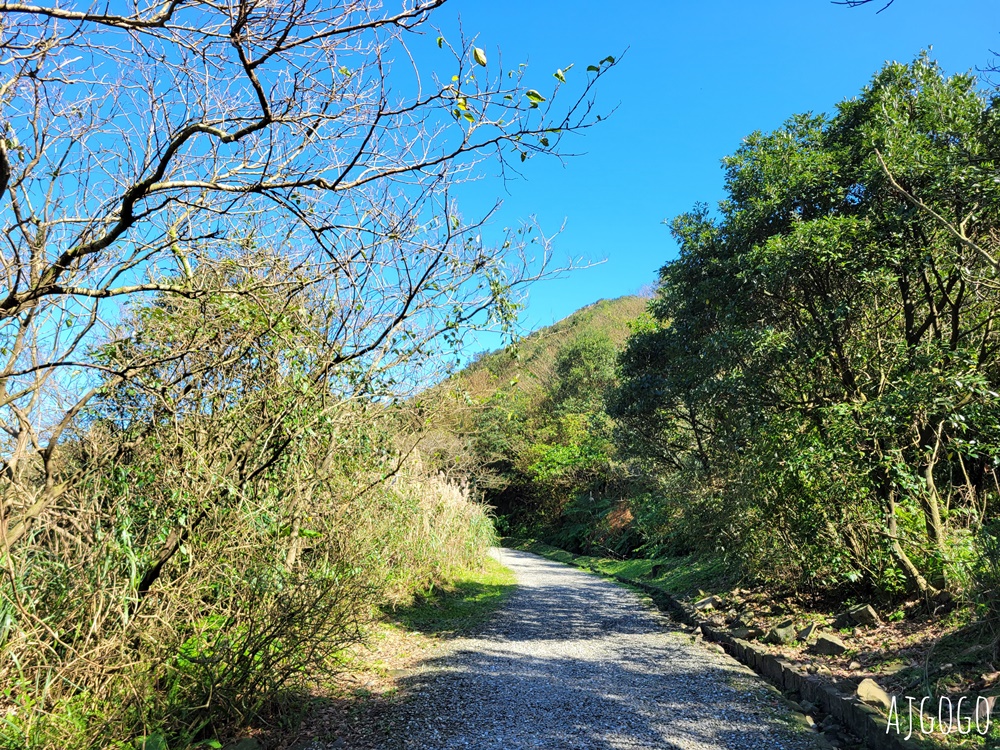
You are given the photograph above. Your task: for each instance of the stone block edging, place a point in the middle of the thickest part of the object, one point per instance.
(861, 719)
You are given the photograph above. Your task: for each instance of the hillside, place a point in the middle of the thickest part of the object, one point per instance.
(527, 427)
(529, 363)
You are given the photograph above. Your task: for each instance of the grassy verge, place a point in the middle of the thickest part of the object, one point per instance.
(680, 576)
(352, 708)
(462, 605)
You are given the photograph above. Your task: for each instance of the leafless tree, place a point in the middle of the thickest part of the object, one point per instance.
(230, 239)
(149, 155)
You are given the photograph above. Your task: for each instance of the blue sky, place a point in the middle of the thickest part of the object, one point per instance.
(697, 77)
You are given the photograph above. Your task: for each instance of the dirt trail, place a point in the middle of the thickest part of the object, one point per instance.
(573, 662)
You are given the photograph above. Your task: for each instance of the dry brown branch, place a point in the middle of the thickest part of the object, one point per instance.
(958, 232)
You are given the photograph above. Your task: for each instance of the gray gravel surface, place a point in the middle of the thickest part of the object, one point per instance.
(574, 662)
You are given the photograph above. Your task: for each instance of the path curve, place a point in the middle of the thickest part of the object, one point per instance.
(574, 662)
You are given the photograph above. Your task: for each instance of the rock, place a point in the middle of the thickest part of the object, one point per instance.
(829, 724)
(807, 707)
(780, 636)
(854, 666)
(806, 721)
(742, 633)
(843, 620)
(807, 632)
(864, 615)
(785, 624)
(829, 645)
(870, 692)
(743, 620)
(984, 710)
(754, 634)
(893, 668)
(709, 602)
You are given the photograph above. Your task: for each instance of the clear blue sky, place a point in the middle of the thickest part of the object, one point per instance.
(698, 76)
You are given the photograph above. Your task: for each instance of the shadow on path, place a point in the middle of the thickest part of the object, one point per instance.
(574, 662)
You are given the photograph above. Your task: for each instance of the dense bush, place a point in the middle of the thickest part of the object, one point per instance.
(986, 576)
(816, 386)
(223, 538)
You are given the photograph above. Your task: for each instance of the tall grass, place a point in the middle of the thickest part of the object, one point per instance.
(270, 582)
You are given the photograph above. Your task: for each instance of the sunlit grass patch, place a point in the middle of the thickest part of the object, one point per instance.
(680, 576)
(463, 604)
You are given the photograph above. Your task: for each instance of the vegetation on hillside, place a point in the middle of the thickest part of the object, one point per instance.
(817, 387)
(528, 426)
(813, 394)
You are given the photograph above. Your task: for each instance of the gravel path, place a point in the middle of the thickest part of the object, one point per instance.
(573, 662)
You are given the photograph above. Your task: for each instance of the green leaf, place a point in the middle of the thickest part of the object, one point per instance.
(479, 56)
(468, 116)
(534, 97)
(593, 68)
(544, 141)
(152, 742)
(559, 76)
(524, 155)
(440, 41)
(608, 59)
(213, 743)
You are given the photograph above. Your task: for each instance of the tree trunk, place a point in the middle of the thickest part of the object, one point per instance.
(931, 503)
(913, 575)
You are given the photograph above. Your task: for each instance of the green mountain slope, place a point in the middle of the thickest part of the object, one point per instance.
(529, 364)
(527, 426)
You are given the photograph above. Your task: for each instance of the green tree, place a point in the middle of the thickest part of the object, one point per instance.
(584, 369)
(823, 353)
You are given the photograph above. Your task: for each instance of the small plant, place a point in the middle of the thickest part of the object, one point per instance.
(986, 575)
